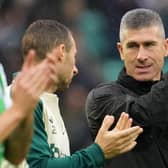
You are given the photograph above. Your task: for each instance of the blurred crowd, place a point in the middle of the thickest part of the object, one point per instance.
(95, 25)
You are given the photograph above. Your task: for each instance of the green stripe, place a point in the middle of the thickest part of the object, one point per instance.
(3, 84)
(2, 106)
(1, 153)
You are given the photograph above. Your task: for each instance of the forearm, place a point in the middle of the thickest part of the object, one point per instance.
(9, 120)
(17, 144)
(91, 157)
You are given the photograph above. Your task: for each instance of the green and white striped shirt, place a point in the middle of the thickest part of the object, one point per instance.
(3, 101)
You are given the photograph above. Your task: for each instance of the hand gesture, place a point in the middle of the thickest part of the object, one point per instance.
(119, 140)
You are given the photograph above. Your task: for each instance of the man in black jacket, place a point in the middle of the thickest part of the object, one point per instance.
(140, 90)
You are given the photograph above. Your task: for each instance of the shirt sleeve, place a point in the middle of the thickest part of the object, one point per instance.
(7, 164)
(40, 155)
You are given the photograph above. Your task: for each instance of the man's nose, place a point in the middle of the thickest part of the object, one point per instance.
(75, 71)
(142, 55)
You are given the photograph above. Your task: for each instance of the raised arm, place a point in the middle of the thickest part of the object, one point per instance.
(18, 119)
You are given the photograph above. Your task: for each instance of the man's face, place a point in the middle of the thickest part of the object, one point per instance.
(143, 51)
(68, 68)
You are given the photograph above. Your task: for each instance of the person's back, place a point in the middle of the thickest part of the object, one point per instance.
(137, 90)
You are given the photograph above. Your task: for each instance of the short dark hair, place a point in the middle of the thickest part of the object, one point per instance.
(44, 35)
(140, 18)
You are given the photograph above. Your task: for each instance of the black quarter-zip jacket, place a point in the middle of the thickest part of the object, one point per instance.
(147, 104)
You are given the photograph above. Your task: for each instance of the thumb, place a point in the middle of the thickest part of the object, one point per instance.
(107, 122)
(28, 60)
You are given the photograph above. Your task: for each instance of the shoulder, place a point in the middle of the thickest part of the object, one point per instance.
(39, 108)
(38, 115)
(101, 94)
(104, 89)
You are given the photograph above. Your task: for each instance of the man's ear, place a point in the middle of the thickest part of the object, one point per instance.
(61, 52)
(120, 49)
(29, 60)
(166, 48)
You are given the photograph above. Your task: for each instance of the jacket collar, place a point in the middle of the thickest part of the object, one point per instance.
(130, 83)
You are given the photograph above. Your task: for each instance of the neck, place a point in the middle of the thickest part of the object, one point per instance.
(52, 89)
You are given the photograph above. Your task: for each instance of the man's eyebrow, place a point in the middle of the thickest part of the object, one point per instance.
(150, 42)
(145, 42)
(131, 43)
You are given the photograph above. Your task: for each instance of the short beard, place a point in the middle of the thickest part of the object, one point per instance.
(62, 85)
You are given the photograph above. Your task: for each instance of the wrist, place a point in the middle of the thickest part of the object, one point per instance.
(17, 112)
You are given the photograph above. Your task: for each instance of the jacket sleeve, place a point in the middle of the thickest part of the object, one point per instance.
(147, 110)
(40, 155)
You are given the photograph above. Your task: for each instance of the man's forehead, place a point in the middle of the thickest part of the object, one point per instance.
(143, 30)
(141, 35)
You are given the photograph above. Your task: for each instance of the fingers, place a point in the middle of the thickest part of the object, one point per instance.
(119, 140)
(129, 123)
(107, 122)
(122, 121)
(33, 80)
(51, 58)
(128, 147)
(28, 60)
(125, 137)
(39, 79)
(130, 132)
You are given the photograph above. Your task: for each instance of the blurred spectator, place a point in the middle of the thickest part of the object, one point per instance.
(13, 17)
